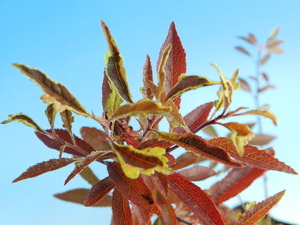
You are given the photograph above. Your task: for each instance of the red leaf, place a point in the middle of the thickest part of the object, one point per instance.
(252, 156)
(161, 183)
(176, 64)
(64, 137)
(95, 138)
(121, 210)
(197, 173)
(200, 147)
(99, 191)
(142, 214)
(43, 167)
(78, 196)
(197, 200)
(186, 159)
(83, 164)
(196, 118)
(147, 75)
(134, 190)
(235, 182)
(257, 212)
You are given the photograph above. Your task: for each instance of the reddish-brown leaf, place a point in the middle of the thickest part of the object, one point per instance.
(161, 183)
(261, 139)
(142, 214)
(105, 90)
(83, 164)
(121, 209)
(257, 212)
(242, 50)
(197, 200)
(96, 138)
(99, 191)
(200, 147)
(43, 167)
(147, 75)
(234, 183)
(134, 190)
(186, 159)
(196, 118)
(169, 216)
(197, 173)
(64, 137)
(79, 195)
(176, 63)
(252, 156)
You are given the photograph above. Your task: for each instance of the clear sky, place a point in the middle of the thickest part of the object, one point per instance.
(64, 40)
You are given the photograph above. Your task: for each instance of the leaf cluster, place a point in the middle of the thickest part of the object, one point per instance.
(144, 179)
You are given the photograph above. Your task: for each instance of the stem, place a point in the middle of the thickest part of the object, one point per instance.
(256, 96)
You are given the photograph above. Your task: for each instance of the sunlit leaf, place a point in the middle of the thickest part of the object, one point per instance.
(253, 156)
(54, 92)
(134, 190)
(262, 139)
(199, 146)
(257, 212)
(50, 113)
(237, 180)
(176, 62)
(43, 167)
(79, 195)
(26, 120)
(99, 191)
(96, 138)
(114, 66)
(197, 173)
(146, 161)
(243, 50)
(187, 83)
(240, 135)
(261, 112)
(83, 163)
(147, 75)
(121, 209)
(146, 106)
(67, 119)
(197, 200)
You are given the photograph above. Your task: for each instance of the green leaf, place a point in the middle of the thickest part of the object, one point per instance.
(78, 196)
(114, 66)
(265, 59)
(187, 83)
(89, 176)
(54, 92)
(26, 120)
(144, 106)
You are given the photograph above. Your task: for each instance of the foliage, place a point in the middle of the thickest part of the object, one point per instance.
(144, 179)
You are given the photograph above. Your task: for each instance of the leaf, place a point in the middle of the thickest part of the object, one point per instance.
(187, 83)
(146, 161)
(161, 183)
(63, 137)
(134, 190)
(268, 86)
(252, 156)
(245, 85)
(99, 191)
(257, 212)
(210, 131)
(26, 120)
(67, 119)
(265, 59)
(78, 196)
(275, 50)
(54, 92)
(147, 75)
(240, 135)
(237, 180)
(146, 106)
(51, 113)
(142, 215)
(262, 139)
(261, 112)
(197, 200)
(274, 33)
(242, 50)
(89, 176)
(265, 76)
(96, 138)
(121, 209)
(176, 62)
(83, 163)
(197, 173)
(251, 39)
(114, 66)
(199, 146)
(186, 159)
(43, 167)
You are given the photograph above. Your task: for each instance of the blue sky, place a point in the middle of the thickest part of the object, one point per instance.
(64, 40)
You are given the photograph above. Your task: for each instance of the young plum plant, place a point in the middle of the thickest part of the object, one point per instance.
(144, 180)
